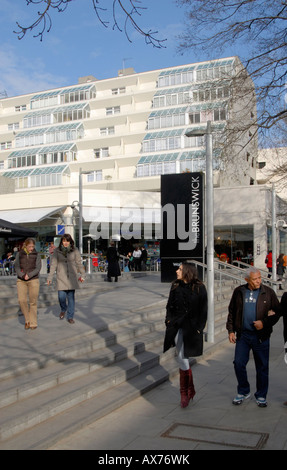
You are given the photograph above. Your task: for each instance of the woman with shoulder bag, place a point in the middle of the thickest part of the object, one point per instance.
(67, 263)
(27, 267)
(186, 315)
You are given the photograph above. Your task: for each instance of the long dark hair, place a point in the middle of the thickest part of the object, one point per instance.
(189, 276)
(67, 237)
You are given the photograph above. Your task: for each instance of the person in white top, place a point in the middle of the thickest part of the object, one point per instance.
(137, 258)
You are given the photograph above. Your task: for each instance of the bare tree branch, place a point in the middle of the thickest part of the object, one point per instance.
(258, 24)
(131, 9)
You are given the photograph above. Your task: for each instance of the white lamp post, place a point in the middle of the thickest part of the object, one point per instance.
(81, 209)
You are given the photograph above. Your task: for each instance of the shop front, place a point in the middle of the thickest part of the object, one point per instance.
(234, 243)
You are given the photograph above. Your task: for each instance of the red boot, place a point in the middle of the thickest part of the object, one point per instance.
(191, 389)
(183, 384)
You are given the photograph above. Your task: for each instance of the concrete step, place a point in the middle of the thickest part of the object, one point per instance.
(31, 411)
(48, 295)
(79, 378)
(60, 389)
(96, 336)
(82, 358)
(45, 435)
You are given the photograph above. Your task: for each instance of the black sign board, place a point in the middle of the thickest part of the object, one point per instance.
(182, 205)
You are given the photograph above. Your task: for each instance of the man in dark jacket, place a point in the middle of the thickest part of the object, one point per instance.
(253, 310)
(284, 314)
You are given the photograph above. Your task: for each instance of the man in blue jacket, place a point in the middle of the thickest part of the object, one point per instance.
(253, 310)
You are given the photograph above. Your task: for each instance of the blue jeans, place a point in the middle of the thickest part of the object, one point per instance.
(182, 361)
(249, 341)
(64, 296)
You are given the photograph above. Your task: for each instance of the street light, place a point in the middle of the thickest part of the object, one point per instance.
(209, 225)
(81, 209)
(275, 225)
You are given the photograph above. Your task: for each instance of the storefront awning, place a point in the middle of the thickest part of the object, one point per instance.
(10, 230)
(24, 216)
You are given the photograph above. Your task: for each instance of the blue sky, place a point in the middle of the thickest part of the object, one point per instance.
(79, 45)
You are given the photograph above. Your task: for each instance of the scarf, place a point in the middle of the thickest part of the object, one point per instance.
(65, 250)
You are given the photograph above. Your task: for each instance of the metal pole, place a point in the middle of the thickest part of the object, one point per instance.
(210, 234)
(80, 213)
(274, 235)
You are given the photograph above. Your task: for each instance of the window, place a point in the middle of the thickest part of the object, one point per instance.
(113, 110)
(157, 165)
(194, 141)
(171, 98)
(95, 176)
(118, 91)
(164, 143)
(21, 107)
(107, 130)
(68, 95)
(194, 117)
(101, 152)
(211, 71)
(37, 120)
(176, 77)
(5, 145)
(37, 177)
(170, 118)
(49, 135)
(14, 126)
(220, 114)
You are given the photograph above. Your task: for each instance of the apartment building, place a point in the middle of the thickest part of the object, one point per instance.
(105, 144)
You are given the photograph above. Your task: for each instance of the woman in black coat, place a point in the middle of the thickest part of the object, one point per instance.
(113, 263)
(186, 315)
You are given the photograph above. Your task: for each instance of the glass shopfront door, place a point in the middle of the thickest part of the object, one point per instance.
(234, 242)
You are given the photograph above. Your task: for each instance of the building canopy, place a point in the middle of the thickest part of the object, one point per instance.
(10, 230)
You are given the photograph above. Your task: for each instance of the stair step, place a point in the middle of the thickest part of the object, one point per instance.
(48, 295)
(56, 373)
(83, 376)
(48, 433)
(45, 405)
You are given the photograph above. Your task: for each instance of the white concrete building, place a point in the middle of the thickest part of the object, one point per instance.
(123, 133)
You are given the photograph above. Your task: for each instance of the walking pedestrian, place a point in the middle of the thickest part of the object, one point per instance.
(186, 315)
(143, 258)
(28, 267)
(253, 310)
(67, 264)
(284, 314)
(268, 262)
(280, 269)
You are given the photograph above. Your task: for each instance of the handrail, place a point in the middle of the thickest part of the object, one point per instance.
(234, 272)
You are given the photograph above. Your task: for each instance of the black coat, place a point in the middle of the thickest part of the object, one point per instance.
(186, 309)
(284, 314)
(113, 262)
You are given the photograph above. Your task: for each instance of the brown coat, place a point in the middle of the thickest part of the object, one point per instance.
(28, 264)
(67, 268)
